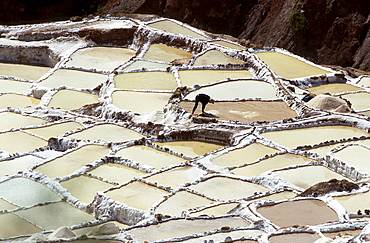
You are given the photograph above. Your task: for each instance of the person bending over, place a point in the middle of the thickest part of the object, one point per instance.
(204, 99)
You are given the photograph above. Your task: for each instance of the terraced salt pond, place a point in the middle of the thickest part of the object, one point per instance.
(101, 58)
(102, 142)
(312, 135)
(17, 101)
(146, 81)
(23, 71)
(333, 88)
(289, 67)
(71, 99)
(74, 79)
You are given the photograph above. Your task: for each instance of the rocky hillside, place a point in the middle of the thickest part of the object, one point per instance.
(325, 31)
(331, 32)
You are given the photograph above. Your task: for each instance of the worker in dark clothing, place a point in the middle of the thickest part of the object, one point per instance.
(204, 99)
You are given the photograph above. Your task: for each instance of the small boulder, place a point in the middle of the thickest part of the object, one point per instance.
(106, 229)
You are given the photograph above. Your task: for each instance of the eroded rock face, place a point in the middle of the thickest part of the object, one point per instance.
(327, 32)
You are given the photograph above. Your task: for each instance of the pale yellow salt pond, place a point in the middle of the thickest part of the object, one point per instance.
(55, 215)
(279, 196)
(226, 188)
(13, 225)
(214, 57)
(145, 81)
(365, 81)
(23, 71)
(244, 155)
(289, 67)
(243, 89)
(355, 202)
(55, 129)
(70, 99)
(24, 192)
(74, 79)
(149, 156)
(159, 52)
(140, 102)
(227, 44)
(359, 101)
(307, 176)
(324, 150)
(10, 120)
(12, 86)
(356, 156)
(299, 212)
(234, 235)
(20, 142)
(218, 210)
(116, 172)
(85, 188)
(294, 237)
(312, 135)
(245, 111)
(100, 58)
(276, 162)
(365, 113)
(106, 132)
(11, 167)
(181, 201)
(137, 195)
(177, 176)
(191, 148)
(200, 77)
(333, 88)
(180, 228)
(146, 65)
(4, 205)
(17, 101)
(72, 161)
(172, 27)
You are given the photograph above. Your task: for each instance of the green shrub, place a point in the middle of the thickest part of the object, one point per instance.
(299, 21)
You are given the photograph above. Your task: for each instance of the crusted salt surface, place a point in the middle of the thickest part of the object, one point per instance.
(54, 44)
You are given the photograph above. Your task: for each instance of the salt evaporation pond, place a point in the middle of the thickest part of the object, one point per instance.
(333, 88)
(359, 101)
(103, 58)
(17, 101)
(237, 90)
(365, 81)
(173, 27)
(14, 86)
(140, 65)
(159, 52)
(71, 99)
(288, 66)
(210, 76)
(101, 145)
(74, 79)
(145, 81)
(312, 135)
(298, 212)
(23, 71)
(213, 57)
(139, 102)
